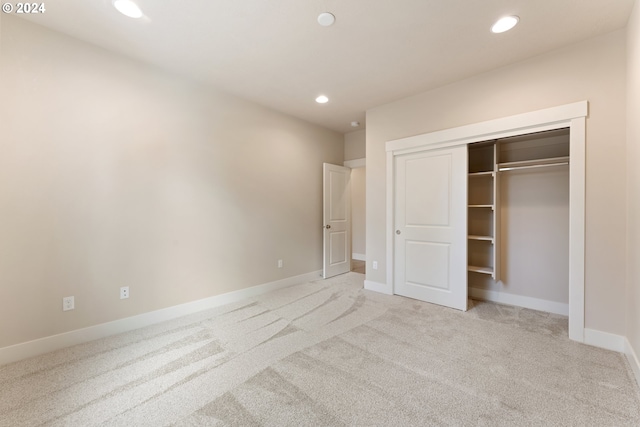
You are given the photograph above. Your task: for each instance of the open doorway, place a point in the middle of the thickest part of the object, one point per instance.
(355, 153)
(358, 220)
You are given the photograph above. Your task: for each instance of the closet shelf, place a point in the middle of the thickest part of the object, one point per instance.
(476, 237)
(477, 174)
(483, 212)
(483, 270)
(553, 161)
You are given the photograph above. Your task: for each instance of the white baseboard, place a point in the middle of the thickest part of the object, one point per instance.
(378, 287)
(604, 340)
(520, 301)
(632, 357)
(44, 345)
(359, 257)
(592, 337)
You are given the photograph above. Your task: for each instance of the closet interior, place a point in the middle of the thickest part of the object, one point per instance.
(518, 216)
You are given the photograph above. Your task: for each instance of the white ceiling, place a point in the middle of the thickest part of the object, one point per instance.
(273, 52)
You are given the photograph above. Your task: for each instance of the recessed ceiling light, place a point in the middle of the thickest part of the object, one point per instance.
(128, 8)
(322, 99)
(505, 24)
(326, 19)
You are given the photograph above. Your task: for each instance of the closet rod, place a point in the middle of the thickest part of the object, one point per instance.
(511, 168)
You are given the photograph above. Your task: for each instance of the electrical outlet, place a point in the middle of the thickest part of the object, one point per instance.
(68, 303)
(124, 292)
(279, 263)
(375, 265)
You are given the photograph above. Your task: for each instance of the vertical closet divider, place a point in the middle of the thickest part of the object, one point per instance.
(482, 209)
(496, 211)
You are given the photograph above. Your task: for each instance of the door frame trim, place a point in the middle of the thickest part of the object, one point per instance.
(572, 116)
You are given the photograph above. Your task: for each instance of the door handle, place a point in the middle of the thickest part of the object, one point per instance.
(398, 232)
(328, 226)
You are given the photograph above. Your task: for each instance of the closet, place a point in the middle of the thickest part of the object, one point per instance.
(518, 220)
(498, 201)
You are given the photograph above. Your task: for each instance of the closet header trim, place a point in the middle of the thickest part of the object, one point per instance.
(553, 118)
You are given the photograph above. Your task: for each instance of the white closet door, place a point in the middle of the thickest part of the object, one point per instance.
(431, 226)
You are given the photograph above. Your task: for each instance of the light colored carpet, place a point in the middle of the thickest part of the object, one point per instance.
(329, 353)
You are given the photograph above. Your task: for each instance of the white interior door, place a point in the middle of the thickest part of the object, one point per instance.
(337, 220)
(430, 244)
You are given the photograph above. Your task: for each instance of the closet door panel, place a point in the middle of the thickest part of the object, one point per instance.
(428, 191)
(431, 226)
(428, 264)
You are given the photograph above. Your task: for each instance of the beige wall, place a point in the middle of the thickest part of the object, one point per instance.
(354, 145)
(113, 173)
(633, 183)
(593, 70)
